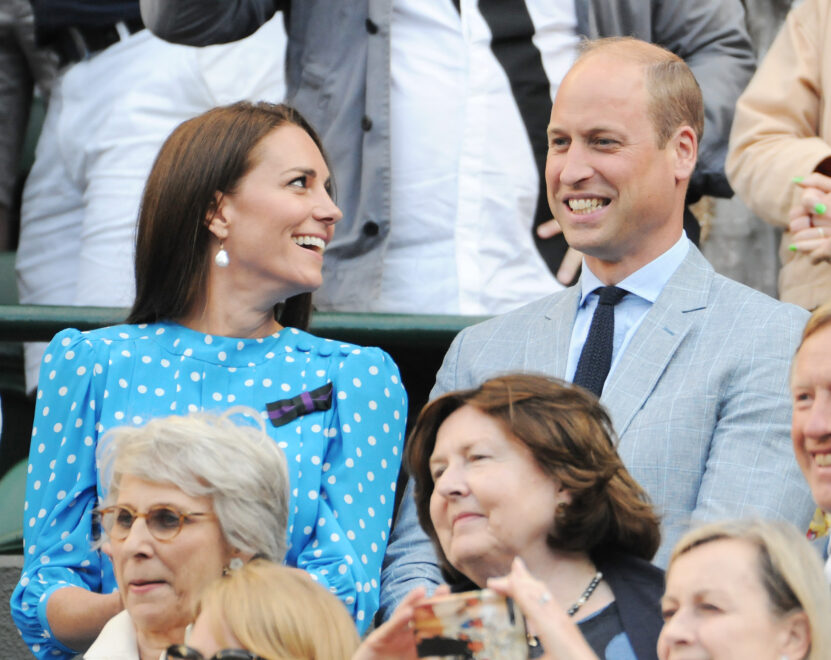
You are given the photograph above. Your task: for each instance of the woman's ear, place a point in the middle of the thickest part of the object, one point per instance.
(217, 218)
(796, 636)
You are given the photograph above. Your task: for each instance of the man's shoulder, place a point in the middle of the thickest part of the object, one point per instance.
(745, 304)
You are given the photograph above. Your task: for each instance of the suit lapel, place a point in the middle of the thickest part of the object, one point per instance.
(657, 339)
(550, 336)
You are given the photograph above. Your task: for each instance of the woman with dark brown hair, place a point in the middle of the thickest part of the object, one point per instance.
(526, 467)
(236, 215)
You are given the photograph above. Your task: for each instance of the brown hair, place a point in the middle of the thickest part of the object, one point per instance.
(674, 95)
(207, 154)
(570, 436)
(789, 569)
(279, 612)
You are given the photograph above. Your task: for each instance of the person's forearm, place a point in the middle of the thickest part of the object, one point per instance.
(76, 615)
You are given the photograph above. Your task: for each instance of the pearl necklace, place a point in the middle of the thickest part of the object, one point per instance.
(571, 611)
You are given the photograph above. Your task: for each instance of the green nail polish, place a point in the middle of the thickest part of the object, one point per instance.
(820, 208)
(792, 247)
(798, 179)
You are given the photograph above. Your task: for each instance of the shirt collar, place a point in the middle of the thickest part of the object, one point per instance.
(646, 282)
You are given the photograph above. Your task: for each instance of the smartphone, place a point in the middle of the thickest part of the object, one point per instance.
(474, 625)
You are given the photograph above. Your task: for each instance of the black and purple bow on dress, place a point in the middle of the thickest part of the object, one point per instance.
(283, 411)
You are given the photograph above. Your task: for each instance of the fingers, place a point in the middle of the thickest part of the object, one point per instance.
(815, 180)
(545, 616)
(821, 252)
(572, 261)
(549, 229)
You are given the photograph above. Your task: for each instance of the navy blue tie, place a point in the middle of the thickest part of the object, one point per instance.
(596, 356)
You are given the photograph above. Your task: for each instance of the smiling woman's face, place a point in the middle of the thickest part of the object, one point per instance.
(161, 582)
(491, 501)
(279, 220)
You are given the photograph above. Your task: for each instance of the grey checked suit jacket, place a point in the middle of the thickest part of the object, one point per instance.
(699, 399)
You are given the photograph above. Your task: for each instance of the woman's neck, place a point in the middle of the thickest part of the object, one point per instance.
(151, 643)
(228, 311)
(567, 576)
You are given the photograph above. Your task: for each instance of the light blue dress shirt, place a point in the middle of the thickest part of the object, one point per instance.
(644, 287)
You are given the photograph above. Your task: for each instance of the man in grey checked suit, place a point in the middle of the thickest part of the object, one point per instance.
(698, 387)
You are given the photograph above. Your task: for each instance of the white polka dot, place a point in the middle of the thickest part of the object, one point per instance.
(347, 498)
(313, 494)
(122, 382)
(69, 355)
(386, 428)
(41, 448)
(249, 382)
(334, 538)
(188, 352)
(62, 391)
(67, 547)
(357, 417)
(136, 420)
(42, 512)
(342, 568)
(44, 560)
(57, 427)
(266, 382)
(371, 440)
(119, 415)
(394, 379)
(45, 411)
(347, 428)
(370, 476)
(159, 391)
(165, 362)
(37, 485)
(349, 462)
(209, 339)
(231, 398)
(142, 389)
(356, 382)
(341, 395)
(285, 387)
(373, 405)
(217, 396)
(70, 459)
(222, 355)
(194, 376)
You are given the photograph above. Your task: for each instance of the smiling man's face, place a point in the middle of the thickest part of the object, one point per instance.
(811, 421)
(617, 196)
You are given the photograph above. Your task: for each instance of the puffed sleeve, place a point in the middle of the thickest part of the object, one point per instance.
(60, 489)
(357, 491)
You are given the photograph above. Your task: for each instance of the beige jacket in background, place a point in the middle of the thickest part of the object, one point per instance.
(782, 129)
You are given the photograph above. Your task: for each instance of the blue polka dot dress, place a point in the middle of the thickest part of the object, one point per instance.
(343, 461)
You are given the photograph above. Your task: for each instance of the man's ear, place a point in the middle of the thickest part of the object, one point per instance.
(216, 219)
(684, 145)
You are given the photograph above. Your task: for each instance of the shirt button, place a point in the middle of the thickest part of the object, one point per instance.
(371, 26)
(366, 123)
(371, 228)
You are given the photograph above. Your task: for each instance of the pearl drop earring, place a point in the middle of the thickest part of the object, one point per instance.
(221, 259)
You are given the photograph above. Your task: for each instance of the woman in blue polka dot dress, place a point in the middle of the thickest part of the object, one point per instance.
(235, 218)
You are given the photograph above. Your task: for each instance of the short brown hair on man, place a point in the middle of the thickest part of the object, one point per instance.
(203, 157)
(674, 95)
(571, 438)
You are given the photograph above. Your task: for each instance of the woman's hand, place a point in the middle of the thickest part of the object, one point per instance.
(810, 218)
(560, 637)
(394, 640)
